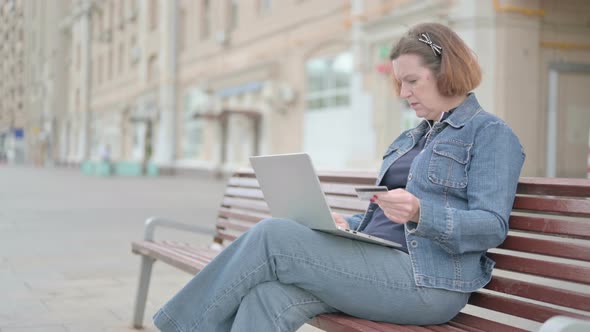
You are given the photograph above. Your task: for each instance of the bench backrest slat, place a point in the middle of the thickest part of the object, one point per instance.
(255, 205)
(243, 182)
(253, 193)
(542, 268)
(224, 224)
(245, 215)
(350, 177)
(529, 290)
(553, 187)
(562, 206)
(518, 308)
(222, 234)
(549, 239)
(551, 226)
(547, 247)
(332, 188)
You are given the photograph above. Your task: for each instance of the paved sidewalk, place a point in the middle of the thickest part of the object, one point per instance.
(65, 259)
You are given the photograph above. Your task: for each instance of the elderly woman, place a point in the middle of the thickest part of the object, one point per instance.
(451, 182)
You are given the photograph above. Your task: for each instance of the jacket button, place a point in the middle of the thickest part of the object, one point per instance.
(410, 177)
(414, 243)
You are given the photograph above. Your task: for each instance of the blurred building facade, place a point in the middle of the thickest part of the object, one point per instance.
(12, 84)
(46, 53)
(201, 85)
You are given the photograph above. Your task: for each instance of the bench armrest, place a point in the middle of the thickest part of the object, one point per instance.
(153, 222)
(565, 324)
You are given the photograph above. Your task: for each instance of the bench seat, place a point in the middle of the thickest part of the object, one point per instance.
(542, 269)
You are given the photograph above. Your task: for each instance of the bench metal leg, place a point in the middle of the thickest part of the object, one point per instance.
(142, 291)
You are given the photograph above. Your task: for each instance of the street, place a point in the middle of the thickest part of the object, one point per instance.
(65, 259)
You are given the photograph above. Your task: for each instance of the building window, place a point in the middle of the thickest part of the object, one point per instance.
(328, 82)
(103, 23)
(153, 68)
(153, 14)
(111, 16)
(96, 26)
(122, 12)
(99, 70)
(93, 76)
(121, 57)
(77, 101)
(133, 51)
(181, 30)
(195, 101)
(110, 65)
(264, 6)
(233, 14)
(205, 19)
(78, 56)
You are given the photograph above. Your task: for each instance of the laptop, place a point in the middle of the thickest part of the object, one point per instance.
(292, 190)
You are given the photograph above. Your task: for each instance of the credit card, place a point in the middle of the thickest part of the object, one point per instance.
(367, 192)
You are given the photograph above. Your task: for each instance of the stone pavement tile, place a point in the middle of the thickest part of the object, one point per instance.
(157, 296)
(11, 285)
(16, 312)
(38, 274)
(119, 304)
(104, 270)
(28, 271)
(7, 226)
(71, 311)
(54, 311)
(65, 288)
(4, 266)
(125, 312)
(44, 328)
(81, 309)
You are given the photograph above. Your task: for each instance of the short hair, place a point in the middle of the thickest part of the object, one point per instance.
(456, 69)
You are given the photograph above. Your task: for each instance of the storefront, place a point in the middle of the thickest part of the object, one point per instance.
(12, 146)
(143, 127)
(222, 128)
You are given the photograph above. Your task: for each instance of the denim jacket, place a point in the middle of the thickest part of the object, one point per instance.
(465, 179)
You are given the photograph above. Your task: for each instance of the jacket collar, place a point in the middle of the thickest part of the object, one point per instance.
(464, 112)
(458, 118)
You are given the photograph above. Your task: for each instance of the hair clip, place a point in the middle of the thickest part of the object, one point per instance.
(425, 38)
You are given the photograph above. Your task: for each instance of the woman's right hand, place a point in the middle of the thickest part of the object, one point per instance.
(340, 221)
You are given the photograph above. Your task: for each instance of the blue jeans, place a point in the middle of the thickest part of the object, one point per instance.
(280, 274)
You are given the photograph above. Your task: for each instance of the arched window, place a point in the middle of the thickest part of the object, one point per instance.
(328, 82)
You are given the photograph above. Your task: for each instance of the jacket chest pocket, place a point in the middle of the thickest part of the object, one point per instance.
(448, 164)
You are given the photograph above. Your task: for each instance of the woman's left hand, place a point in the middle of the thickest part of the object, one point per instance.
(398, 205)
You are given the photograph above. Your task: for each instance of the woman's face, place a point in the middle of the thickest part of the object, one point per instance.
(418, 86)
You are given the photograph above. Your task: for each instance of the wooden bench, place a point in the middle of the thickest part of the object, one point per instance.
(542, 269)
